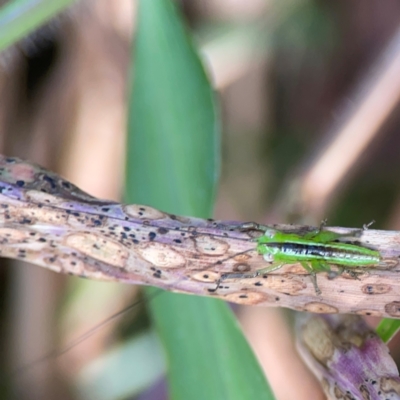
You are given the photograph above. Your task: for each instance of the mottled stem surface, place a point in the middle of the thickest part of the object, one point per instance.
(48, 221)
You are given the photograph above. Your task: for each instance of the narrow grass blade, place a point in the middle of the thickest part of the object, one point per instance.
(20, 17)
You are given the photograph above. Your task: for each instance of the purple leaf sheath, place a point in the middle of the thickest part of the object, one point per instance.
(49, 222)
(348, 358)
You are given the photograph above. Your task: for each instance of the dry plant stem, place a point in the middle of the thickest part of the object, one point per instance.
(377, 98)
(50, 222)
(349, 359)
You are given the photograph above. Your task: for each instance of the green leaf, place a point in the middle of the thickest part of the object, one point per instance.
(387, 328)
(173, 125)
(173, 164)
(20, 17)
(208, 356)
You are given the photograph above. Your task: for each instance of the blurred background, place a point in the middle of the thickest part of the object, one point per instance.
(309, 98)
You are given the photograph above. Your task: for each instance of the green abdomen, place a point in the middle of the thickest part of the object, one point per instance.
(340, 254)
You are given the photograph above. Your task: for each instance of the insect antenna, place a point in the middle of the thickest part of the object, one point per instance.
(218, 282)
(57, 352)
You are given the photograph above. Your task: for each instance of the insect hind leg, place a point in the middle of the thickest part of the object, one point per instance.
(273, 267)
(243, 275)
(232, 275)
(313, 276)
(253, 226)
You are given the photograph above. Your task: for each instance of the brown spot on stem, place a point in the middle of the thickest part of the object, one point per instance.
(377, 288)
(340, 394)
(246, 297)
(161, 255)
(387, 263)
(43, 198)
(241, 267)
(10, 235)
(296, 269)
(320, 308)
(45, 215)
(390, 385)
(283, 283)
(206, 276)
(143, 212)
(22, 171)
(317, 338)
(365, 392)
(74, 266)
(210, 246)
(77, 219)
(393, 309)
(242, 258)
(97, 247)
(372, 313)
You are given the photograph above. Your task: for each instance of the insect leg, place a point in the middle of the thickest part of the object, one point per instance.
(358, 232)
(321, 266)
(320, 235)
(310, 269)
(273, 267)
(366, 226)
(325, 236)
(232, 275)
(329, 236)
(242, 275)
(253, 226)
